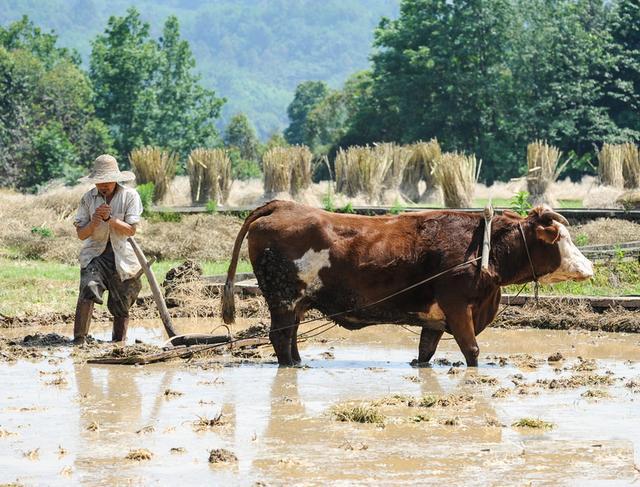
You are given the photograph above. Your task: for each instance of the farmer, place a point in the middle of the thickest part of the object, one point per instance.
(107, 215)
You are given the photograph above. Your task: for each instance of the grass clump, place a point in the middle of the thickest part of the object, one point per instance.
(535, 423)
(361, 413)
(139, 455)
(154, 165)
(202, 423)
(209, 175)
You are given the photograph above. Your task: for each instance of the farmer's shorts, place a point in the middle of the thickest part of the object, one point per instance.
(102, 272)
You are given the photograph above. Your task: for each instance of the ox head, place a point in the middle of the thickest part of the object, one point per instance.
(552, 236)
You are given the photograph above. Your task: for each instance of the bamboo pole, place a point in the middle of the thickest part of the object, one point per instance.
(155, 289)
(486, 243)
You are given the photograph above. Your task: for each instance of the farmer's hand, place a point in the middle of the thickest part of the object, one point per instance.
(96, 219)
(104, 211)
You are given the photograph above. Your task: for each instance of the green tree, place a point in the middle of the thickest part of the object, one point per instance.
(240, 134)
(52, 156)
(146, 91)
(24, 35)
(186, 111)
(47, 122)
(308, 94)
(122, 66)
(624, 94)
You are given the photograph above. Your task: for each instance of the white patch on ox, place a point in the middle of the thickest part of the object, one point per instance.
(309, 266)
(574, 266)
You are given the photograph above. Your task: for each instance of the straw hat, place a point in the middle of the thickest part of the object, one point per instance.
(105, 170)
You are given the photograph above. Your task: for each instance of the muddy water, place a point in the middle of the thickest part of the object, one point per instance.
(278, 422)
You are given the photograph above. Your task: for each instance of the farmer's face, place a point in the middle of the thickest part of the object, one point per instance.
(106, 189)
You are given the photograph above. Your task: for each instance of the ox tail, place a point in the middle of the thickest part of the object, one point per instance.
(228, 297)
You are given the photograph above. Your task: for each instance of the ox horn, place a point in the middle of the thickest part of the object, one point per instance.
(555, 216)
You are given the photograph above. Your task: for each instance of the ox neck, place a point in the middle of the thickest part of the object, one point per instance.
(511, 261)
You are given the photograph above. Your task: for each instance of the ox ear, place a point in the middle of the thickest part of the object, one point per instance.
(549, 234)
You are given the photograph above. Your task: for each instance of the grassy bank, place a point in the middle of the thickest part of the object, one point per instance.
(36, 286)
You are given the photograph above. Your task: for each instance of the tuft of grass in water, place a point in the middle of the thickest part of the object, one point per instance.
(202, 423)
(361, 413)
(139, 455)
(536, 423)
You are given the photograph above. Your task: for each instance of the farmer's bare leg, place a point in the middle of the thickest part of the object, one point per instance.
(281, 334)
(429, 340)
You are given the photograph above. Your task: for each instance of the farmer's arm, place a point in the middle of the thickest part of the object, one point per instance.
(122, 227)
(85, 226)
(132, 214)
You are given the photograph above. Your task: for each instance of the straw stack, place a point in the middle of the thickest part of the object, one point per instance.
(610, 159)
(209, 175)
(543, 170)
(457, 174)
(300, 159)
(276, 166)
(154, 165)
(421, 167)
(630, 165)
(396, 158)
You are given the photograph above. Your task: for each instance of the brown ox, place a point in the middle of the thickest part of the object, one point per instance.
(308, 258)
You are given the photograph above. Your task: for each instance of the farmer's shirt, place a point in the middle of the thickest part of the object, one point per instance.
(126, 206)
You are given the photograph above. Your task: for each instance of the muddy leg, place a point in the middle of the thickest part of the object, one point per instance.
(282, 322)
(295, 354)
(429, 340)
(460, 322)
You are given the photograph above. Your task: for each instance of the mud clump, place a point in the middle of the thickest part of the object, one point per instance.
(177, 279)
(203, 424)
(576, 381)
(595, 394)
(556, 357)
(32, 347)
(585, 365)
(221, 455)
(502, 392)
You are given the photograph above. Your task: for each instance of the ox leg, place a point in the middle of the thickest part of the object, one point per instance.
(295, 354)
(281, 334)
(429, 340)
(460, 321)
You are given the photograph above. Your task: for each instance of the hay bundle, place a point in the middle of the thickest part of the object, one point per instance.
(457, 174)
(276, 166)
(300, 168)
(396, 157)
(421, 167)
(154, 165)
(542, 163)
(209, 175)
(630, 165)
(361, 170)
(610, 165)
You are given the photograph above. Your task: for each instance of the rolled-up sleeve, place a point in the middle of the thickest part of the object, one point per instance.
(82, 216)
(133, 210)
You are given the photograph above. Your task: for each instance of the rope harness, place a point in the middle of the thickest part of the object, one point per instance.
(536, 283)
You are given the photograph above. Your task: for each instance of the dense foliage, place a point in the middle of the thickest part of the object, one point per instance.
(489, 76)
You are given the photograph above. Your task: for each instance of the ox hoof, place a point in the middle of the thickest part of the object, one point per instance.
(416, 363)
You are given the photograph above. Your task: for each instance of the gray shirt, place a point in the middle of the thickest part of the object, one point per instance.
(125, 206)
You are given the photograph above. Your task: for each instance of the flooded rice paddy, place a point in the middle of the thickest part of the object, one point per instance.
(63, 421)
